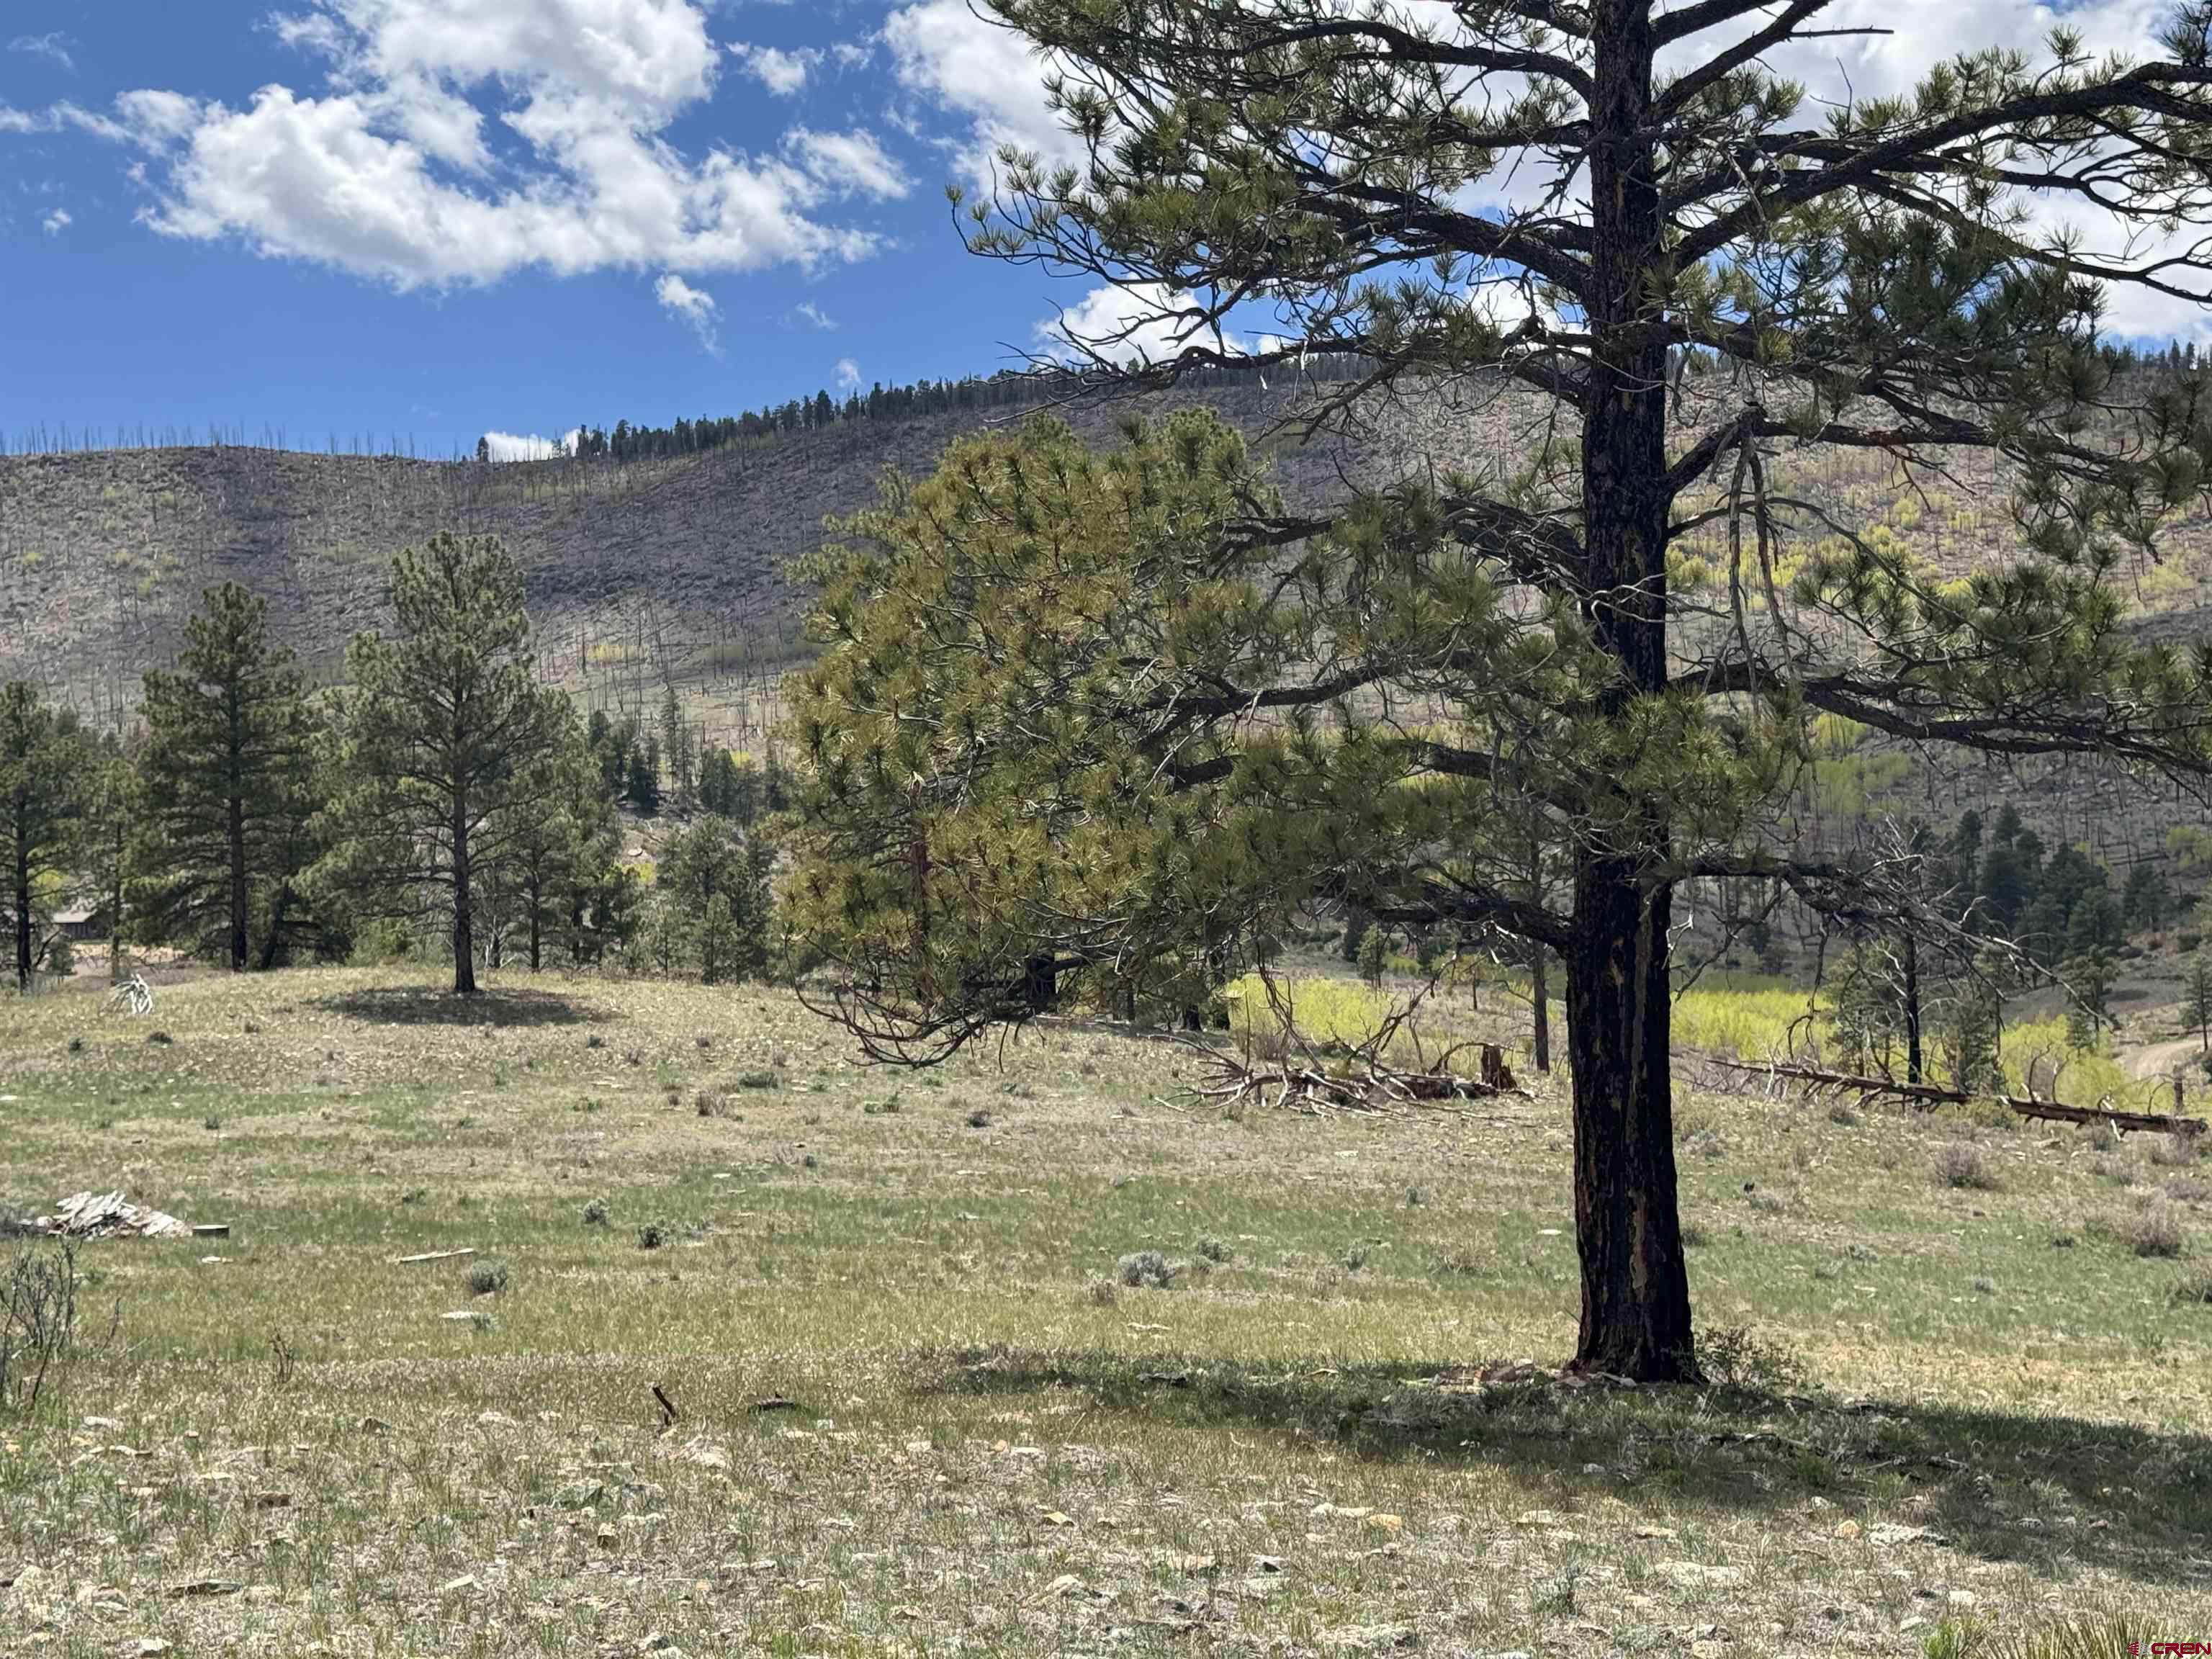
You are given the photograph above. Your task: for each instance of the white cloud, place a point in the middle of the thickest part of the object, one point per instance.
(848, 374)
(54, 46)
(61, 117)
(1139, 323)
(527, 446)
(691, 306)
(846, 163)
(57, 221)
(985, 74)
(812, 315)
(455, 145)
(783, 73)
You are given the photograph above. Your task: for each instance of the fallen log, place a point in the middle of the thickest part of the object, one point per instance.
(1928, 1096)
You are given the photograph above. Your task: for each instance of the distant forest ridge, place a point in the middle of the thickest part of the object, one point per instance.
(1005, 389)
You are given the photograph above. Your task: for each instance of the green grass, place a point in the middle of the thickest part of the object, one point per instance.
(989, 1443)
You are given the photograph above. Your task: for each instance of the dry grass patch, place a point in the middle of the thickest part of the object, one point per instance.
(914, 1409)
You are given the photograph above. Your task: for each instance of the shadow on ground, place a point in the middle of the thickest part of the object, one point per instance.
(2000, 1486)
(413, 1005)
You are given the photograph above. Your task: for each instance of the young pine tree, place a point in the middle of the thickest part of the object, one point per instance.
(224, 791)
(445, 739)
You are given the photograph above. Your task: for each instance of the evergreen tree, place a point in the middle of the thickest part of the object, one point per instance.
(1374, 954)
(2196, 996)
(1855, 274)
(2089, 1009)
(676, 746)
(1965, 871)
(445, 739)
(225, 774)
(2145, 901)
(642, 783)
(548, 830)
(605, 895)
(43, 767)
(1975, 1029)
(716, 881)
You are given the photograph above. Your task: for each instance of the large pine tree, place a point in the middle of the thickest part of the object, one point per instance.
(224, 771)
(1673, 278)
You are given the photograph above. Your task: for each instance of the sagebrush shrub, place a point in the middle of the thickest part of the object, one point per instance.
(487, 1277)
(1962, 1163)
(1141, 1267)
(2176, 1151)
(2154, 1230)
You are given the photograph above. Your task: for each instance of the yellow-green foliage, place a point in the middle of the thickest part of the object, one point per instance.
(1749, 1017)
(1325, 1010)
(1743, 1015)
(2191, 844)
(2086, 1076)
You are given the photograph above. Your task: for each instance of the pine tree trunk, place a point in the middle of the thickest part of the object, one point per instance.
(235, 832)
(1911, 1009)
(1636, 1298)
(22, 905)
(277, 907)
(464, 944)
(115, 919)
(1540, 989)
(1539, 996)
(537, 910)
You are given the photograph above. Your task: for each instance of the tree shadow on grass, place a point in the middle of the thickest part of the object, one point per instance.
(411, 1005)
(2004, 1488)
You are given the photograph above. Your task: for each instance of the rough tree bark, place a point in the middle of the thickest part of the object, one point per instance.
(1636, 1297)
(465, 947)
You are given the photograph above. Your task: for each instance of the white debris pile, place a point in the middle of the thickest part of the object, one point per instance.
(110, 1215)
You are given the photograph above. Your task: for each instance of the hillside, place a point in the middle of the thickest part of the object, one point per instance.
(639, 573)
(650, 572)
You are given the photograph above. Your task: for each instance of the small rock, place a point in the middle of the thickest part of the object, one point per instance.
(455, 1586)
(1964, 1598)
(1847, 1529)
(1387, 1522)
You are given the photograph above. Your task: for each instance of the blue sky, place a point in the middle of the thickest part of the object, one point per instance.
(445, 217)
(441, 218)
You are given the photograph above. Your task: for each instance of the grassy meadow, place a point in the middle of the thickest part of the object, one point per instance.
(918, 1412)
